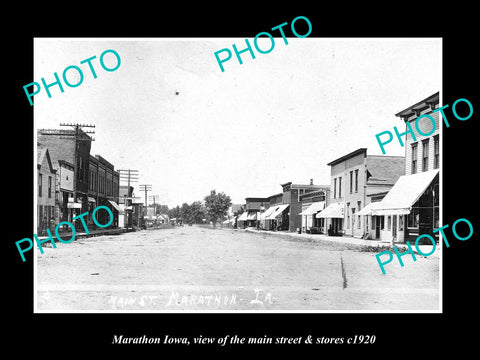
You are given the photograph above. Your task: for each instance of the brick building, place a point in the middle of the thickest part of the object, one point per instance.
(74, 148)
(46, 180)
(411, 208)
(354, 177)
(103, 189)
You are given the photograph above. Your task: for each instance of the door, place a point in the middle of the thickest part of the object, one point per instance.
(394, 226)
(377, 226)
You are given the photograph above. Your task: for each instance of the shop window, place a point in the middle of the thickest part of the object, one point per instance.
(413, 218)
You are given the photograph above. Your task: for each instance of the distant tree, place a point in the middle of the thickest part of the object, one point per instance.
(161, 209)
(197, 212)
(217, 205)
(185, 213)
(174, 212)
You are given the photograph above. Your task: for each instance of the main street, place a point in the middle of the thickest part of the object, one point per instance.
(197, 268)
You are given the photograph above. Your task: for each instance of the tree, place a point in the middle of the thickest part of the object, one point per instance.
(217, 205)
(197, 212)
(161, 209)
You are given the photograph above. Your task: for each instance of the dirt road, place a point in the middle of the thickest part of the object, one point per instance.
(201, 269)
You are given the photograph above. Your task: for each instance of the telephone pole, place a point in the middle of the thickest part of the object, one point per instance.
(146, 188)
(78, 136)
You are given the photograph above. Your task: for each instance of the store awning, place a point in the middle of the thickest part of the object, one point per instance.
(367, 210)
(313, 208)
(74, 205)
(90, 199)
(332, 211)
(266, 213)
(115, 205)
(243, 217)
(279, 209)
(252, 216)
(405, 193)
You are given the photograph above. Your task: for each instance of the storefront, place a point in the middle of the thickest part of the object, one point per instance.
(411, 208)
(278, 218)
(333, 215)
(310, 223)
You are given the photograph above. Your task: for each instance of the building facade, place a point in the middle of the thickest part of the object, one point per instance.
(354, 177)
(46, 192)
(411, 208)
(65, 179)
(312, 203)
(74, 148)
(103, 189)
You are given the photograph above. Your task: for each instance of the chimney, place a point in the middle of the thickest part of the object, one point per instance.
(311, 181)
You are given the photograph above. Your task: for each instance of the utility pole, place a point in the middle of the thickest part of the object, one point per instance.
(153, 198)
(146, 188)
(128, 176)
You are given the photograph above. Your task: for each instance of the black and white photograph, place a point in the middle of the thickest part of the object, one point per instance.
(270, 182)
(225, 180)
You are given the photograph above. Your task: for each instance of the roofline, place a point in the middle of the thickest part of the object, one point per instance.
(386, 156)
(421, 105)
(344, 157)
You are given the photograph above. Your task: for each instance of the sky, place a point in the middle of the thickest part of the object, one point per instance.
(169, 112)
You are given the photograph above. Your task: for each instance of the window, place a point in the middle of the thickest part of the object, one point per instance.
(425, 154)
(436, 152)
(334, 188)
(351, 181)
(353, 218)
(359, 206)
(49, 187)
(389, 222)
(356, 181)
(348, 215)
(40, 185)
(400, 222)
(414, 158)
(340, 187)
(413, 218)
(382, 222)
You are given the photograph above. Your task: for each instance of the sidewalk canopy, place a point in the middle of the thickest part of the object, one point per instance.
(313, 208)
(243, 217)
(405, 193)
(115, 205)
(266, 213)
(277, 212)
(332, 211)
(252, 216)
(367, 210)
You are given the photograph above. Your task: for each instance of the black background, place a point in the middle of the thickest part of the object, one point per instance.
(62, 335)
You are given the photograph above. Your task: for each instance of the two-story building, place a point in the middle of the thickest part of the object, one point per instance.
(74, 148)
(46, 180)
(253, 207)
(411, 207)
(354, 177)
(103, 189)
